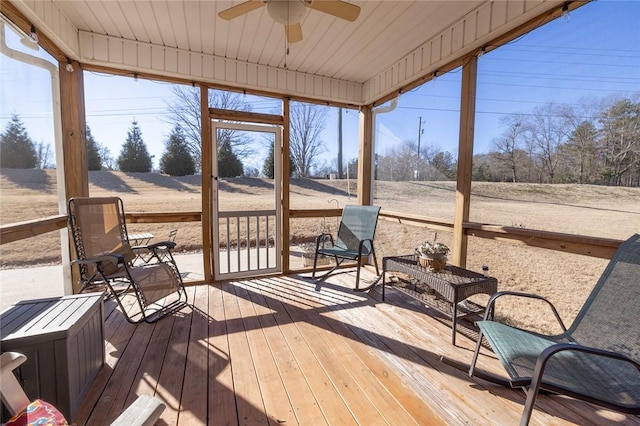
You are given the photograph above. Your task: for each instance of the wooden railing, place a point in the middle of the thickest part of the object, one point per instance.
(569, 243)
(31, 228)
(247, 234)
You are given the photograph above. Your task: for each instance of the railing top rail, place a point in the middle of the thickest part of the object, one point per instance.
(247, 213)
(578, 244)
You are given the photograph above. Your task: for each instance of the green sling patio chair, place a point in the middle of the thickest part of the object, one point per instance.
(597, 359)
(105, 257)
(354, 240)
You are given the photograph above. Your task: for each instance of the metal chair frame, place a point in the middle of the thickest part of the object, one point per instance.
(350, 245)
(120, 265)
(596, 359)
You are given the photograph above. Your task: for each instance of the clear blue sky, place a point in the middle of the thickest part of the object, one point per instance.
(594, 54)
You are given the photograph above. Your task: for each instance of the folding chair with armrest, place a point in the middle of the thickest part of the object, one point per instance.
(104, 256)
(596, 359)
(354, 240)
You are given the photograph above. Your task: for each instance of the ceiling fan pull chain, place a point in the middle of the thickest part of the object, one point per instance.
(286, 37)
(286, 48)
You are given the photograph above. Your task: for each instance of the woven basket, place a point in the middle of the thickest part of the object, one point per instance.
(435, 264)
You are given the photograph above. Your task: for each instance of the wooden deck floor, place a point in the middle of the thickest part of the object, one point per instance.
(287, 350)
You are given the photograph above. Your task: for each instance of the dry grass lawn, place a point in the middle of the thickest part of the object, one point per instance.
(564, 279)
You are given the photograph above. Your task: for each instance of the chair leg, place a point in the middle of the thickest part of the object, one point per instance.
(378, 276)
(475, 372)
(326, 274)
(315, 262)
(478, 373)
(475, 354)
(375, 259)
(532, 394)
(117, 295)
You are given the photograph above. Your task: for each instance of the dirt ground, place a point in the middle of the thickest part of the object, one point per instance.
(565, 279)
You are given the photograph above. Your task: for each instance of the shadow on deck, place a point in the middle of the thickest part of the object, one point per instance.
(289, 350)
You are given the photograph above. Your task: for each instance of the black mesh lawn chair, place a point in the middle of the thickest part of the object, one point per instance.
(354, 240)
(105, 257)
(597, 359)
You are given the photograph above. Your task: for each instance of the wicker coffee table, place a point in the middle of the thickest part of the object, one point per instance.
(453, 284)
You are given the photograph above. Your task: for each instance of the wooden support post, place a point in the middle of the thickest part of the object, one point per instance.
(74, 129)
(465, 160)
(285, 188)
(74, 157)
(206, 171)
(365, 157)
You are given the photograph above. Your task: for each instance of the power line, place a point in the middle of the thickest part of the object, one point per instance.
(562, 77)
(580, 49)
(487, 112)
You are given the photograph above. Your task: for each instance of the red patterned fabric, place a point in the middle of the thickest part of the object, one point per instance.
(38, 413)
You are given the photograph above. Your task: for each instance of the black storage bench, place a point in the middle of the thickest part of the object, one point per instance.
(63, 340)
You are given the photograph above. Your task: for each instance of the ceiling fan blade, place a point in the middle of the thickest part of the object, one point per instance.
(294, 32)
(337, 8)
(240, 9)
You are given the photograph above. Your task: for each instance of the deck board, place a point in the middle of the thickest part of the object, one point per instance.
(335, 360)
(193, 406)
(289, 350)
(306, 409)
(333, 407)
(221, 399)
(277, 406)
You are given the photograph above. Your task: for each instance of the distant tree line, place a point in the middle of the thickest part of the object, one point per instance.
(597, 143)
(183, 147)
(592, 143)
(403, 163)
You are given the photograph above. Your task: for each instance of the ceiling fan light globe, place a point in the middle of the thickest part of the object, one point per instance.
(286, 12)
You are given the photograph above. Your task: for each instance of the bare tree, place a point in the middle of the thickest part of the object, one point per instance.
(184, 110)
(398, 162)
(307, 122)
(108, 162)
(445, 164)
(549, 132)
(508, 145)
(44, 155)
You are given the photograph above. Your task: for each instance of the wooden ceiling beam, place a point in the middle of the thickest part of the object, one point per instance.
(194, 83)
(245, 116)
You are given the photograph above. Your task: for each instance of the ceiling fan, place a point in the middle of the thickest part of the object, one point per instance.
(290, 12)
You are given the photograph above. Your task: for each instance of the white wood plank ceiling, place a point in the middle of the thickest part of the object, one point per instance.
(390, 44)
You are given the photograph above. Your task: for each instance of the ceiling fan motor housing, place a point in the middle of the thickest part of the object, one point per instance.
(287, 12)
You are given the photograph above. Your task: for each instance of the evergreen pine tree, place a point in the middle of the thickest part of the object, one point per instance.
(17, 150)
(228, 163)
(267, 168)
(94, 161)
(134, 156)
(176, 160)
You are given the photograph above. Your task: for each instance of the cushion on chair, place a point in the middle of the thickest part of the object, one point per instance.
(38, 413)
